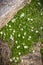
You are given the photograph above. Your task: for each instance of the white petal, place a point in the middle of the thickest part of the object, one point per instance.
(41, 28)
(13, 31)
(24, 33)
(37, 31)
(16, 42)
(30, 37)
(9, 25)
(32, 30)
(15, 61)
(18, 35)
(22, 60)
(41, 13)
(19, 53)
(11, 37)
(18, 46)
(1, 32)
(22, 15)
(39, 3)
(31, 19)
(28, 19)
(17, 58)
(21, 29)
(11, 60)
(13, 20)
(25, 47)
(4, 34)
(23, 37)
(33, 51)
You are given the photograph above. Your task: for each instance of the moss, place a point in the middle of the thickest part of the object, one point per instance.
(25, 28)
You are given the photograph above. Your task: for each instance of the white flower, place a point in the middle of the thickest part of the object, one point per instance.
(17, 58)
(13, 31)
(33, 51)
(32, 30)
(24, 33)
(31, 19)
(11, 37)
(21, 29)
(37, 31)
(9, 25)
(30, 37)
(22, 60)
(16, 42)
(1, 32)
(41, 28)
(41, 13)
(25, 47)
(13, 20)
(15, 61)
(23, 37)
(22, 15)
(32, 27)
(18, 35)
(39, 3)
(19, 53)
(11, 60)
(28, 19)
(18, 46)
(4, 34)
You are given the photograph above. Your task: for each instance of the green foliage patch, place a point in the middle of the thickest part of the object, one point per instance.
(25, 28)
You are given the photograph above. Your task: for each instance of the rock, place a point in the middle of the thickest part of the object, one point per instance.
(8, 8)
(33, 58)
(4, 53)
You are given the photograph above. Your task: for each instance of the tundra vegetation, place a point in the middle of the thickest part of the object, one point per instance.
(24, 29)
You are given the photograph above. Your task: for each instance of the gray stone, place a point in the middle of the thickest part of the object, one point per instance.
(8, 8)
(4, 53)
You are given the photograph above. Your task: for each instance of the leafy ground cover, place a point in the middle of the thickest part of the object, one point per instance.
(25, 28)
